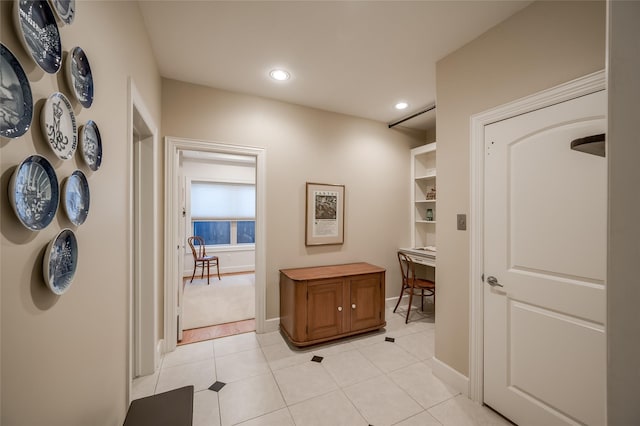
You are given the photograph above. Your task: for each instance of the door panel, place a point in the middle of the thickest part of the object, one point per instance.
(365, 295)
(324, 309)
(545, 243)
(549, 376)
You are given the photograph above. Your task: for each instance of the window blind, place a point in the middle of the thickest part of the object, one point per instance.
(212, 200)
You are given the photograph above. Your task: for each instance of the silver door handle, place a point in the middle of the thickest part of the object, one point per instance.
(493, 282)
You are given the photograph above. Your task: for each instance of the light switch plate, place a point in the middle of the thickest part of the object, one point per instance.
(462, 222)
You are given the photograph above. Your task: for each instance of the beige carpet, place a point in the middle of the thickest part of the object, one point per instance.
(227, 300)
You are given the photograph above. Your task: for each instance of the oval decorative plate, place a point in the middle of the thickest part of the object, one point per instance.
(76, 197)
(39, 33)
(16, 108)
(65, 9)
(61, 261)
(91, 145)
(79, 76)
(59, 125)
(34, 192)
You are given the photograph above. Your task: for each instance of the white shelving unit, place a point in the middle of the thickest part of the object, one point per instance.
(423, 196)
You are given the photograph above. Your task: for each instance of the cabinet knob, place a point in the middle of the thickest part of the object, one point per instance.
(353, 306)
(339, 308)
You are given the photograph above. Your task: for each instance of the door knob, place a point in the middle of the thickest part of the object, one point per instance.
(353, 306)
(493, 282)
(339, 308)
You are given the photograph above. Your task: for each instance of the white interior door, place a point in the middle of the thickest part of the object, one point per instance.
(545, 253)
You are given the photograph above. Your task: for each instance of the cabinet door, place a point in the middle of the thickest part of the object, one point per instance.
(324, 308)
(366, 302)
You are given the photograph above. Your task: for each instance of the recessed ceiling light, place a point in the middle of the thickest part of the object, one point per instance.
(401, 105)
(280, 75)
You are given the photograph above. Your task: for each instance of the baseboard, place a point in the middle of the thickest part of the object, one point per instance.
(450, 376)
(243, 269)
(390, 302)
(271, 324)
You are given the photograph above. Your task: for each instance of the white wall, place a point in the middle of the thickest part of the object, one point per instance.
(543, 45)
(65, 359)
(233, 259)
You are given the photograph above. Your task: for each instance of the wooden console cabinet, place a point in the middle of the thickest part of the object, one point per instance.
(323, 303)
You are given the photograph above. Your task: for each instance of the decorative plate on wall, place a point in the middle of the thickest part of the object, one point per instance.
(76, 197)
(16, 108)
(65, 9)
(79, 76)
(34, 192)
(91, 145)
(61, 261)
(39, 33)
(59, 125)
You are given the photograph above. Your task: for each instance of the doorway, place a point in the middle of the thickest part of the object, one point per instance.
(219, 207)
(479, 375)
(175, 198)
(143, 231)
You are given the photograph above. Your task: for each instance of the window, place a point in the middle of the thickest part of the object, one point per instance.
(223, 213)
(225, 232)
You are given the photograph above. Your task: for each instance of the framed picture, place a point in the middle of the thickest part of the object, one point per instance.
(324, 214)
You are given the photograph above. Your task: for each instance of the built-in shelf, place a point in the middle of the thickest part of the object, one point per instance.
(426, 177)
(423, 185)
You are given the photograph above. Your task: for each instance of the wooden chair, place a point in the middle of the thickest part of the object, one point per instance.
(200, 257)
(410, 284)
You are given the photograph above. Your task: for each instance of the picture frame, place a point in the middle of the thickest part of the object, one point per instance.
(324, 214)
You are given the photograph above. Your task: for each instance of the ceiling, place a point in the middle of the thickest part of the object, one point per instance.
(352, 57)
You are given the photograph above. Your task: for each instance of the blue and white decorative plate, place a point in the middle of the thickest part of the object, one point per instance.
(76, 198)
(91, 145)
(34, 192)
(79, 76)
(16, 105)
(65, 9)
(61, 261)
(39, 33)
(59, 125)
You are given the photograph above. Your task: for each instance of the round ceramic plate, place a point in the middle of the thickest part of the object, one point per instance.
(59, 125)
(61, 261)
(65, 9)
(39, 33)
(34, 192)
(76, 198)
(79, 76)
(91, 145)
(16, 107)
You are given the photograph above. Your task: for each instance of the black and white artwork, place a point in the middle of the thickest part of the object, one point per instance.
(39, 33)
(34, 192)
(91, 145)
(79, 76)
(59, 125)
(16, 102)
(76, 197)
(61, 261)
(65, 9)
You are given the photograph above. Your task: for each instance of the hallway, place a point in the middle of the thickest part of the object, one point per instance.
(359, 381)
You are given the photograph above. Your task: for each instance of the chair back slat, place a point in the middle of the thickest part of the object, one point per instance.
(197, 246)
(408, 269)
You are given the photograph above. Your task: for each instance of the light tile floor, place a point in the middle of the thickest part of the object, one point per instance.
(362, 380)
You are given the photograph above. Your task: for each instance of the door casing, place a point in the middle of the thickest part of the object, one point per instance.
(144, 255)
(579, 87)
(172, 275)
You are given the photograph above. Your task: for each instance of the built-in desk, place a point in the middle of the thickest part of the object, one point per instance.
(421, 256)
